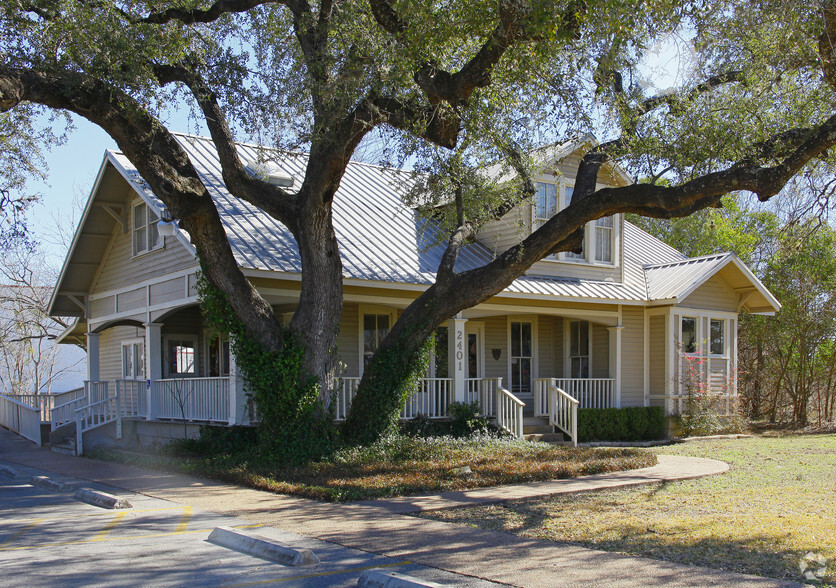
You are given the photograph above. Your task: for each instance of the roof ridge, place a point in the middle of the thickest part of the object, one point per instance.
(688, 260)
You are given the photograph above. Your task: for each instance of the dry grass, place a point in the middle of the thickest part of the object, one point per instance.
(401, 466)
(776, 504)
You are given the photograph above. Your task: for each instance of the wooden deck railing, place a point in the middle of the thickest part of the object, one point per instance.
(509, 412)
(20, 418)
(589, 392)
(190, 399)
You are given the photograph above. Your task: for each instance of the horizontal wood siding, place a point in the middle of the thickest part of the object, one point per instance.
(715, 294)
(496, 337)
(632, 356)
(348, 341)
(133, 300)
(506, 232)
(569, 269)
(558, 349)
(110, 350)
(168, 291)
(657, 357)
(600, 351)
(102, 306)
(545, 347)
(120, 269)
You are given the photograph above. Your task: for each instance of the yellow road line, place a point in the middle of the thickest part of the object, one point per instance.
(100, 536)
(91, 514)
(22, 532)
(130, 537)
(184, 520)
(320, 574)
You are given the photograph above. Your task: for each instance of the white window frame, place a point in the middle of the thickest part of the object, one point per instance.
(148, 224)
(589, 255)
(133, 344)
(567, 346)
(364, 310)
(185, 338)
(211, 338)
(475, 328)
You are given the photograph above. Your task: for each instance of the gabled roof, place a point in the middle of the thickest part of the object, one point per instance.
(678, 279)
(381, 240)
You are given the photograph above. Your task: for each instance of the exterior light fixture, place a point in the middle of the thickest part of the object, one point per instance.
(166, 226)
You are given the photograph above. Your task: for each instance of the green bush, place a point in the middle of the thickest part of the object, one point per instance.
(635, 423)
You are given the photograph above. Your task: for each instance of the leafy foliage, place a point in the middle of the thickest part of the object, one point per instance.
(294, 426)
(635, 423)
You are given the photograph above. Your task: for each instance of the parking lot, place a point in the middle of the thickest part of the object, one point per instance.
(49, 538)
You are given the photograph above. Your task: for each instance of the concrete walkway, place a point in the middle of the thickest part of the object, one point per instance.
(384, 527)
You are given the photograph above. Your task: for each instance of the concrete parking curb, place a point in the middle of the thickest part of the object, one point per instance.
(103, 499)
(381, 579)
(9, 472)
(50, 484)
(261, 547)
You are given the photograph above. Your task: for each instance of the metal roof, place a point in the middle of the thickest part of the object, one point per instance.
(382, 240)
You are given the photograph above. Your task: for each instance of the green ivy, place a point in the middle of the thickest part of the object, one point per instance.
(390, 379)
(294, 426)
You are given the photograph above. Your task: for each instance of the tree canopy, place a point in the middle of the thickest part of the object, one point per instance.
(449, 85)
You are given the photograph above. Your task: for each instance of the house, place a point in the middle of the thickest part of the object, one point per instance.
(617, 325)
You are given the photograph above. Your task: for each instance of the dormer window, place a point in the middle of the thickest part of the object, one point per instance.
(599, 236)
(145, 235)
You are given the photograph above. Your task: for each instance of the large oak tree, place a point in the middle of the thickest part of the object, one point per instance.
(452, 84)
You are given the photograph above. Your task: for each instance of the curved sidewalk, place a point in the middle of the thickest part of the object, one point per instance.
(384, 527)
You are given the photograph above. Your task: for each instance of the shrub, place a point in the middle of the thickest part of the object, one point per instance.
(636, 423)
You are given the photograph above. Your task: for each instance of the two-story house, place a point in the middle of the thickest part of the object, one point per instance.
(613, 326)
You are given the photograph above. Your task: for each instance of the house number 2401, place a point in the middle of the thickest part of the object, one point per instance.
(460, 350)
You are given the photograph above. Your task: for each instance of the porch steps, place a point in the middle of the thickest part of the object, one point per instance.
(67, 447)
(539, 429)
(551, 438)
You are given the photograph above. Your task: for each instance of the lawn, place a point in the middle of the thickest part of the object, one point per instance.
(400, 466)
(776, 504)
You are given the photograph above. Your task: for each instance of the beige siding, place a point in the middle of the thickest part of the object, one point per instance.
(558, 351)
(102, 306)
(496, 337)
(600, 351)
(168, 291)
(110, 349)
(348, 341)
(657, 357)
(568, 269)
(545, 347)
(133, 300)
(632, 356)
(499, 235)
(715, 294)
(120, 269)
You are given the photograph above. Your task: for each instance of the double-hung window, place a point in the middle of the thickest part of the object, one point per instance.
(181, 357)
(546, 205)
(604, 229)
(579, 349)
(133, 360)
(145, 235)
(375, 329)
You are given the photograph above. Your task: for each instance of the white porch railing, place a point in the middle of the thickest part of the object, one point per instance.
(20, 418)
(432, 399)
(509, 412)
(93, 415)
(133, 398)
(346, 392)
(483, 391)
(589, 392)
(563, 413)
(95, 391)
(190, 399)
(65, 413)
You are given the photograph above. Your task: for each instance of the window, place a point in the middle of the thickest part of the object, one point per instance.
(717, 341)
(217, 357)
(133, 360)
(375, 329)
(546, 206)
(604, 228)
(579, 349)
(181, 357)
(145, 232)
(689, 334)
(521, 356)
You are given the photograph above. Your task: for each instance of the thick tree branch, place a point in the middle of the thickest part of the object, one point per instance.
(211, 14)
(163, 164)
(272, 199)
(437, 124)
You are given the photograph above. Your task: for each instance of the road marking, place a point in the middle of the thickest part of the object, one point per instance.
(34, 523)
(94, 514)
(184, 520)
(131, 537)
(320, 574)
(100, 536)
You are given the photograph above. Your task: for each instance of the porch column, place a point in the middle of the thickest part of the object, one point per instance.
(615, 362)
(457, 345)
(93, 356)
(237, 397)
(153, 361)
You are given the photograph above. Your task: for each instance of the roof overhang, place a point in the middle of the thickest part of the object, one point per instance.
(752, 296)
